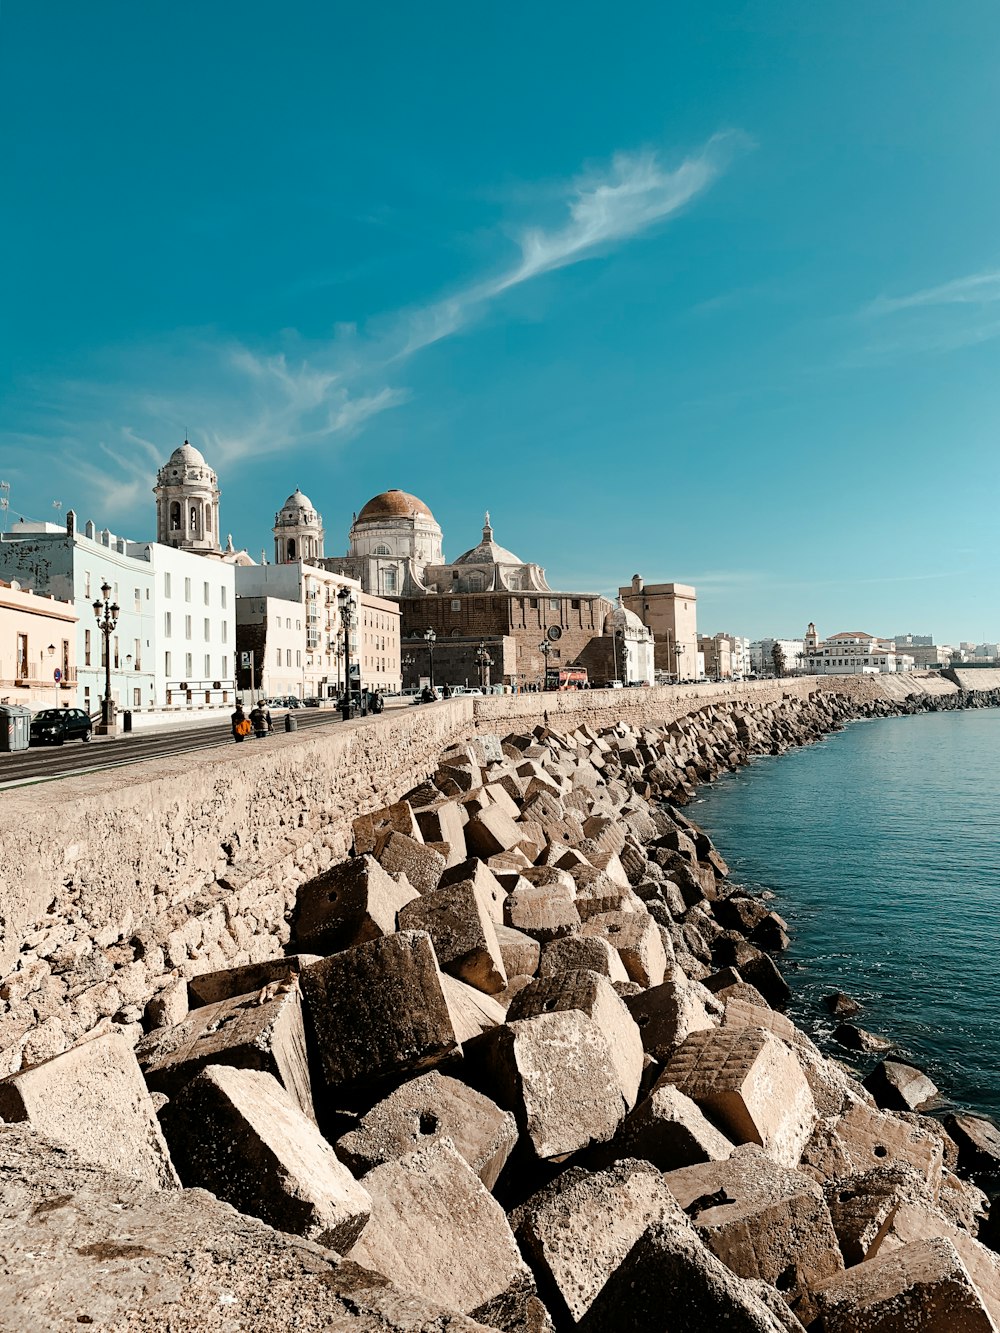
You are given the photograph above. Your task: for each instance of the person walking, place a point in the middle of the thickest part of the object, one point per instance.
(242, 726)
(258, 720)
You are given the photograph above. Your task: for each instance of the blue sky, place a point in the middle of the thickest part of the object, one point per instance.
(705, 292)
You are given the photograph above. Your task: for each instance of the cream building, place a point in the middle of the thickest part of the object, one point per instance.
(270, 658)
(855, 653)
(37, 641)
(670, 610)
(378, 648)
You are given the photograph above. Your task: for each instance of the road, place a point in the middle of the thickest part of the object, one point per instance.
(47, 763)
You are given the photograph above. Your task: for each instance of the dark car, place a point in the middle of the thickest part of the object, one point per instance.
(311, 701)
(53, 726)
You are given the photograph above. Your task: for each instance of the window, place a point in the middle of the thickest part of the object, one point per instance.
(138, 599)
(194, 518)
(167, 624)
(298, 658)
(168, 665)
(208, 528)
(166, 585)
(208, 666)
(175, 516)
(298, 624)
(208, 630)
(456, 605)
(279, 657)
(533, 603)
(288, 622)
(86, 583)
(86, 647)
(137, 655)
(553, 604)
(290, 548)
(187, 627)
(225, 667)
(187, 664)
(288, 657)
(65, 659)
(390, 580)
(22, 657)
(187, 590)
(207, 598)
(575, 603)
(223, 591)
(136, 697)
(381, 550)
(225, 632)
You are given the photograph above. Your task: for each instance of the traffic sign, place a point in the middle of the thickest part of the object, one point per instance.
(57, 675)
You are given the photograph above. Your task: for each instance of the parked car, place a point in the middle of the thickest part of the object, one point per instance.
(55, 726)
(311, 702)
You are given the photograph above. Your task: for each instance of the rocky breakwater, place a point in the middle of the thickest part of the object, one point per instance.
(522, 1066)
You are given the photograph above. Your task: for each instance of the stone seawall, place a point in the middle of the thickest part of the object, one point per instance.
(115, 883)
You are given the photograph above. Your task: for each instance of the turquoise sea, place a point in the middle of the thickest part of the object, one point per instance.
(881, 845)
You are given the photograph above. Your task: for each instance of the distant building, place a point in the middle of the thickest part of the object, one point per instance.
(625, 651)
(37, 643)
(762, 655)
(670, 610)
(726, 656)
(855, 653)
(912, 640)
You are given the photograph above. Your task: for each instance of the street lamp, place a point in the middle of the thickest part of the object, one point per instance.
(679, 650)
(485, 662)
(545, 648)
(405, 663)
(346, 601)
(106, 614)
(430, 638)
(618, 636)
(51, 649)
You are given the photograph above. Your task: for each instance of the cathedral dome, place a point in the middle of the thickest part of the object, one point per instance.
(393, 504)
(488, 552)
(297, 502)
(186, 455)
(624, 619)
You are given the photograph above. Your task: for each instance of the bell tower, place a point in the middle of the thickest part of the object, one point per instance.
(187, 502)
(298, 531)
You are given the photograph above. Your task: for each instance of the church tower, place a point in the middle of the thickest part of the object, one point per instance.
(187, 502)
(811, 641)
(298, 531)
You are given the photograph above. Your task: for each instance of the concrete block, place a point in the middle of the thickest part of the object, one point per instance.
(378, 1011)
(572, 952)
(263, 1031)
(472, 1011)
(462, 933)
(436, 1231)
(490, 832)
(862, 1138)
(484, 881)
(445, 823)
(428, 1109)
(594, 996)
(669, 1130)
(422, 865)
(922, 1286)
(668, 1013)
(556, 1074)
(637, 938)
(370, 830)
(763, 1221)
(863, 1206)
(577, 1231)
(900, 1087)
(92, 1099)
(597, 893)
(669, 1281)
(348, 904)
(521, 954)
(545, 913)
(751, 1085)
(211, 987)
(237, 1133)
(503, 798)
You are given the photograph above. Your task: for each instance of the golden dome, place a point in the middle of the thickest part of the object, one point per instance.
(393, 504)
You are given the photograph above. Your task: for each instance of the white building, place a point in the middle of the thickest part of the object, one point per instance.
(194, 627)
(633, 645)
(762, 655)
(270, 636)
(856, 653)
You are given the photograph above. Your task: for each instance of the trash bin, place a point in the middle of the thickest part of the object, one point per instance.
(15, 727)
(291, 722)
(127, 720)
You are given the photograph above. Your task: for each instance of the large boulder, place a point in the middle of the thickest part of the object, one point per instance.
(92, 1100)
(348, 904)
(427, 1109)
(378, 1011)
(436, 1231)
(900, 1087)
(462, 933)
(237, 1133)
(668, 1129)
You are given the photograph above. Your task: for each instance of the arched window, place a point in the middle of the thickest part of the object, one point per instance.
(291, 548)
(194, 518)
(381, 550)
(208, 518)
(175, 516)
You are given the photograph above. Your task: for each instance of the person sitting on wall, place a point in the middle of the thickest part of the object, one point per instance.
(427, 695)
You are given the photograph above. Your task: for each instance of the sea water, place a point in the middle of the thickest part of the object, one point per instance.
(881, 845)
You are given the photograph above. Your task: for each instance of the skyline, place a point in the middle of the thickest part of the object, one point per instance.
(730, 323)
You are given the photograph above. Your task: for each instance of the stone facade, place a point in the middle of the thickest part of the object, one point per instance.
(670, 610)
(187, 502)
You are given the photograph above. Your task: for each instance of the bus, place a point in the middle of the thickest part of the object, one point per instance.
(566, 678)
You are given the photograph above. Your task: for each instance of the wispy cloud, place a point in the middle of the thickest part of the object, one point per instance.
(630, 197)
(975, 289)
(245, 403)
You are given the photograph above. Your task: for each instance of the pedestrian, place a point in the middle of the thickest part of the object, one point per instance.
(377, 703)
(242, 725)
(446, 692)
(258, 720)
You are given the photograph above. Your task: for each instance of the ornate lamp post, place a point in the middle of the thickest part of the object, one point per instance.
(106, 614)
(545, 648)
(346, 601)
(430, 638)
(485, 662)
(679, 653)
(405, 663)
